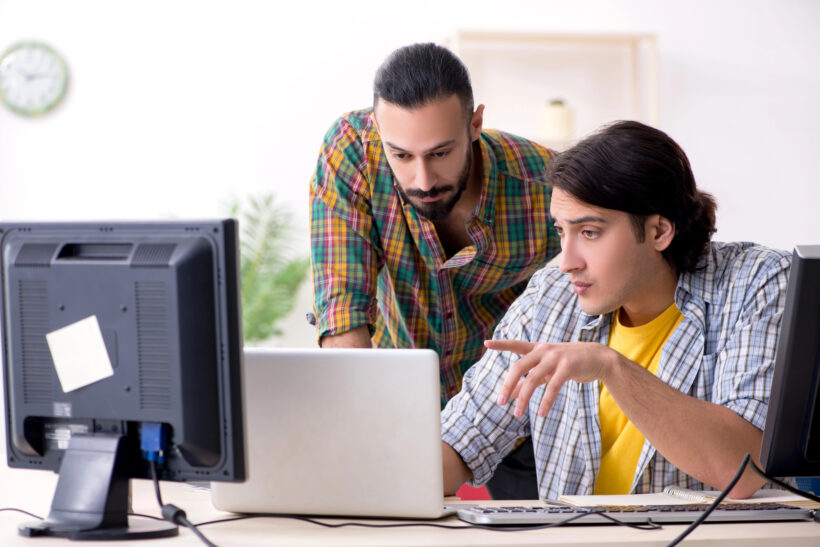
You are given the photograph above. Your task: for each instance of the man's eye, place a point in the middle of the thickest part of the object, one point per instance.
(400, 155)
(441, 153)
(559, 231)
(591, 234)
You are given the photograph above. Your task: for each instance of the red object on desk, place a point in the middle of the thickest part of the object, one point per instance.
(469, 493)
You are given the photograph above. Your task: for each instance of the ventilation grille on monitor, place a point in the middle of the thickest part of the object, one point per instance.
(153, 346)
(35, 254)
(37, 364)
(153, 254)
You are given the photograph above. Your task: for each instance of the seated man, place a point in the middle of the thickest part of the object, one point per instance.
(646, 359)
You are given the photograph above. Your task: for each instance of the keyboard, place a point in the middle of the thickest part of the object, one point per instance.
(597, 514)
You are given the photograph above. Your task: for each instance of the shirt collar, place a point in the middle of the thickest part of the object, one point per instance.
(695, 290)
(485, 210)
(369, 133)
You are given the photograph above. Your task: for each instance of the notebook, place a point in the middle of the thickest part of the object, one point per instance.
(353, 432)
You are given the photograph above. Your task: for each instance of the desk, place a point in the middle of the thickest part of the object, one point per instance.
(32, 491)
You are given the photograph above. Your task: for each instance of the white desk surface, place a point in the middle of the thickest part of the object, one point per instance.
(32, 491)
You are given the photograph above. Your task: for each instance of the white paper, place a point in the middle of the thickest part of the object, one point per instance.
(659, 498)
(79, 354)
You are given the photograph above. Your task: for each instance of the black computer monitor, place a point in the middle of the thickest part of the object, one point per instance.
(165, 296)
(791, 438)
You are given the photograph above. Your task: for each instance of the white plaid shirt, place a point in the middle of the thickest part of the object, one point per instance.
(722, 351)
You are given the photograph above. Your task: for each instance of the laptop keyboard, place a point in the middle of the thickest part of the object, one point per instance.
(597, 514)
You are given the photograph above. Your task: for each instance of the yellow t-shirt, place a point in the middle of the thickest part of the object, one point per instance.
(621, 442)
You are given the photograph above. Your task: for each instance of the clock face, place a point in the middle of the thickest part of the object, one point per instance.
(33, 78)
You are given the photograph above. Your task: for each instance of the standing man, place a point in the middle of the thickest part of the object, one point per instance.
(646, 360)
(424, 228)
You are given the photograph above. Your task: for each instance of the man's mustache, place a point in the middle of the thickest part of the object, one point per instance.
(429, 193)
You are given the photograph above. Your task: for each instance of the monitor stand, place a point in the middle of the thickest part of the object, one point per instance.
(91, 499)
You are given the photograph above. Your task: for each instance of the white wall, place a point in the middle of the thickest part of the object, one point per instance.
(175, 106)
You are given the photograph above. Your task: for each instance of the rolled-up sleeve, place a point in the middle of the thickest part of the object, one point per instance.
(345, 257)
(745, 365)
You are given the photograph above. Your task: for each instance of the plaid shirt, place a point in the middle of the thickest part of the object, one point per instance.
(376, 262)
(722, 351)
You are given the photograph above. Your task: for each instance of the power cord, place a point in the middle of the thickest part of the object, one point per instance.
(747, 462)
(172, 513)
(153, 442)
(38, 517)
(784, 485)
(714, 504)
(16, 510)
(155, 477)
(464, 526)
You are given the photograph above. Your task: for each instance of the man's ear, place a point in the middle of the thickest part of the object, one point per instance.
(477, 122)
(662, 231)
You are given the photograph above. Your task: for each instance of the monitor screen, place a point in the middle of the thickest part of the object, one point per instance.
(791, 438)
(118, 333)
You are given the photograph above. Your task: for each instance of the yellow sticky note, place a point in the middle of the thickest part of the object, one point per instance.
(79, 354)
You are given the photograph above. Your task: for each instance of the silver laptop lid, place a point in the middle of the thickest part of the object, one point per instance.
(340, 432)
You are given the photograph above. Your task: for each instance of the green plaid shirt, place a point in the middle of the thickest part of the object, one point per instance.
(377, 262)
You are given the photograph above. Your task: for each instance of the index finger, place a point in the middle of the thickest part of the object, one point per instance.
(516, 373)
(516, 346)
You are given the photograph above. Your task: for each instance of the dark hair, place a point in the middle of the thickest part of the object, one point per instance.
(415, 75)
(631, 167)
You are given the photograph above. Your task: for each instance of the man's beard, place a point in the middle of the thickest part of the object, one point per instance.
(439, 210)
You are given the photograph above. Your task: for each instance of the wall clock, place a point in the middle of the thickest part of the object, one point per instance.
(33, 78)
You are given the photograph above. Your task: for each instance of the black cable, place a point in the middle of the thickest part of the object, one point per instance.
(182, 519)
(172, 513)
(747, 461)
(231, 519)
(649, 525)
(155, 476)
(142, 515)
(714, 504)
(784, 485)
(32, 515)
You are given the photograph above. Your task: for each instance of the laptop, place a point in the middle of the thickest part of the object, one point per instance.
(353, 432)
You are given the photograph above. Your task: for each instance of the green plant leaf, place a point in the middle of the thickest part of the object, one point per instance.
(270, 276)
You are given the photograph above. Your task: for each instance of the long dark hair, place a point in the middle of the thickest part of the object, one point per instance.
(631, 167)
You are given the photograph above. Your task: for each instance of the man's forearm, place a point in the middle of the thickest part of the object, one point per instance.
(456, 471)
(355, 338)
(705, 440)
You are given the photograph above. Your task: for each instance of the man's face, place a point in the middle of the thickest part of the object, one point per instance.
(608, 267)
(429, 150)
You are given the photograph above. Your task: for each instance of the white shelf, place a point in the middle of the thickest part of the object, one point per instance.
(601, 78)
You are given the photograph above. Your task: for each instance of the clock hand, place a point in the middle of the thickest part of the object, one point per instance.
(36, 76)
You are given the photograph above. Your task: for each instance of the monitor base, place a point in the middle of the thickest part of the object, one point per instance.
(91, 499)
(136, 529)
